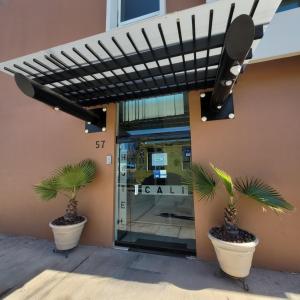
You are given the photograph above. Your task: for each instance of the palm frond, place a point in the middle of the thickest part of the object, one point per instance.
(202, 181)
(47, 189)
(267, 196)
(89, 167)
(187, 179)
(72, 177)
(69, 178)
(225, 178)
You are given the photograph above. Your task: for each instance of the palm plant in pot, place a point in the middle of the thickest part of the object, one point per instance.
(68, 181)
(234, 247)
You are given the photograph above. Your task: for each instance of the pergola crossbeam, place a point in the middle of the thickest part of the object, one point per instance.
(179, 52)
(149, 56)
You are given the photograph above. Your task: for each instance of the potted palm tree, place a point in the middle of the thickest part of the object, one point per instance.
(67, 181)
(234, 246)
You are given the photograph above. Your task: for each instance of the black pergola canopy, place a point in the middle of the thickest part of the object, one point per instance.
(187, 50)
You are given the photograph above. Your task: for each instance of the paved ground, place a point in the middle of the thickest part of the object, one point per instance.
(29, 270)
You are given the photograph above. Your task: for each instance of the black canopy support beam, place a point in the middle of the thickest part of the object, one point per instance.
(226, 112)
(229, 20)
(117, 66)
(159, 80)
(211, 17)
(237, 45)
(160, 53)
(94, 54)
(181, 47)
(44, 94)
(144, 94)
(140, 91)
(133, 44)
(155, 77)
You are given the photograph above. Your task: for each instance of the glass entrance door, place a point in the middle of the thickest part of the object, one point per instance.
(155, 209)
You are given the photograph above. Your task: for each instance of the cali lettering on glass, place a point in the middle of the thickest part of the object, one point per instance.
(176, 190)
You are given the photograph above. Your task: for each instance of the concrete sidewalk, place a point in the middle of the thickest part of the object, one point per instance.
(30, 270)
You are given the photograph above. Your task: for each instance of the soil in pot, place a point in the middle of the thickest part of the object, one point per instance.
(242, 236)
(61, 221)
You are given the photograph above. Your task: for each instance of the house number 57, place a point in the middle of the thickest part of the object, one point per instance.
(100, 144)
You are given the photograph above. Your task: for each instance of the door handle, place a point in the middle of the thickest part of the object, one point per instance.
(136, 189)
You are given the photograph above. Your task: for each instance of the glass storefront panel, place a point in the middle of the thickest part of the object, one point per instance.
(155, 209)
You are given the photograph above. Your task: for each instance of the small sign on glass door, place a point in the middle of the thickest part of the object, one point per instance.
(159, 159)
(158, 174)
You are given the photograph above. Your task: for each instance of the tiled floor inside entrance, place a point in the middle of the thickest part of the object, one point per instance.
(163, 219)
(177, 231)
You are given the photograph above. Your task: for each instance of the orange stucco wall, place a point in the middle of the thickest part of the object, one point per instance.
(179, 5)
(32, 25)
(34, 138)
(262, 141)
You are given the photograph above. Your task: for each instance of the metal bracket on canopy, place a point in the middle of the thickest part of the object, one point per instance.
(210, 114)
(101, 126)
(239, 38)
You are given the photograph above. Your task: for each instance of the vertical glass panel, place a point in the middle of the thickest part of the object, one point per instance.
(155, 208)
(131, 9)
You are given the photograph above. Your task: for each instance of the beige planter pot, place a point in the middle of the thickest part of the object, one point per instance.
(235, 259)
(67, 237)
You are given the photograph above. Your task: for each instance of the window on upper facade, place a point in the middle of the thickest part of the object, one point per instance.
(288, 4)
(135, 10)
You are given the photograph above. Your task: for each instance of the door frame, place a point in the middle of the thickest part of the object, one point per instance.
(169, 136)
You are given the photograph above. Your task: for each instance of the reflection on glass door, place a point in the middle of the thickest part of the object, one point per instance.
(154, 208)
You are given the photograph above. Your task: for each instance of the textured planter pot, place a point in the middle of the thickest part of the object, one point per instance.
(67, 237)
(235, 259)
